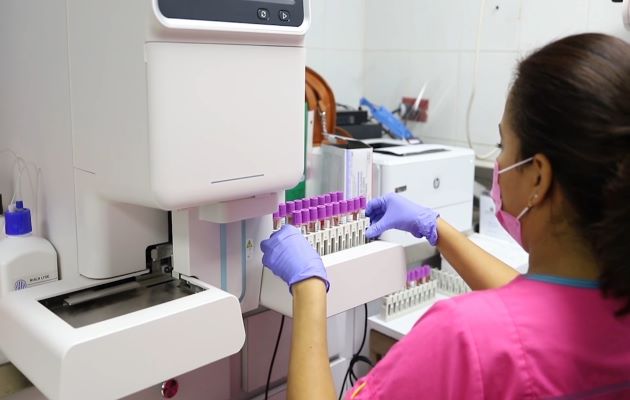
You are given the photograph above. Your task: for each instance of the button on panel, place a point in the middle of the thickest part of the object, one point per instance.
(263, 14)
(284, 15)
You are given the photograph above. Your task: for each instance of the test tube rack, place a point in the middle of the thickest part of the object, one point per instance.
(422, 293)
(357, 275)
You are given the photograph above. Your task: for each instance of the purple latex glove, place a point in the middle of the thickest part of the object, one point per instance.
(288, 255)
(393, 211)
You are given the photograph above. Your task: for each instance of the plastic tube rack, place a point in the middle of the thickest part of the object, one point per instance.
(421, 292)
(357, 275)
(449, 283)
(407, 300)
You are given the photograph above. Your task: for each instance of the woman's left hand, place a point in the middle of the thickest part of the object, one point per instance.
(289, 255)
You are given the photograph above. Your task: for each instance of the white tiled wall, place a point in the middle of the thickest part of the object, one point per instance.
(384, 49)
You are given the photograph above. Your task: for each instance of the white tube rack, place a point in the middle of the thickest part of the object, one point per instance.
(410, 299)
(357, 275)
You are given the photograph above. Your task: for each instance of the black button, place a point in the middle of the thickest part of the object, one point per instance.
(284, 15)
(263, 13)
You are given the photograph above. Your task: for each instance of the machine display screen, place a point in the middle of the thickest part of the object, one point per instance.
(290, 2)
(264, 12)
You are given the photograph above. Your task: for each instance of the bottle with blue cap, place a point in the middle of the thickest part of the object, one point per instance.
(25, 260)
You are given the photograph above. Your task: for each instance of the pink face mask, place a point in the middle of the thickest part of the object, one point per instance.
(509, 222)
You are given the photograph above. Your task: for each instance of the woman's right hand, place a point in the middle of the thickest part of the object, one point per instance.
(288, 255)
(393, 211)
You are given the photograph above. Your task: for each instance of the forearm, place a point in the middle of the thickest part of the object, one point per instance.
(477, 267)
(310, 376)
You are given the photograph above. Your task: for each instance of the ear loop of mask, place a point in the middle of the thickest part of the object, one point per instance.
(518, 164)
(526, 209)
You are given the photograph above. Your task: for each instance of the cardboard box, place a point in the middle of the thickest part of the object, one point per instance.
(347, 168)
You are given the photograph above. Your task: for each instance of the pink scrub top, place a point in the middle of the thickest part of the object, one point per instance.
(537, 337)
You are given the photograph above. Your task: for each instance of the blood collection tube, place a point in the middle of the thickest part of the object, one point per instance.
(363, 206)
(313, 216)
(321, 200)
(329, 215)
(350, 210)
(297, 221)
(297, 205)
(335, 215)
(276, 221)
(340, 196)
(327, 199)
(321, 216)
(357, 208)
(333, 197)
(313, 201)
(306, 220)
(289, 207)
(343, 211)
(427, 274)
(306, 203)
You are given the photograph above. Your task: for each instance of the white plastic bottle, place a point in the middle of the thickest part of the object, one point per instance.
(25, 260)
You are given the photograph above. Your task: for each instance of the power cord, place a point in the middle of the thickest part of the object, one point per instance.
(273, 358)
(471, 100)
(356, 358)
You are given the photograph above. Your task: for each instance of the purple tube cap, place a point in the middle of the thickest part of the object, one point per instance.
(275, 215)
(329, 210)
(321, 212)
(327, 198)
(343, 206)
(363, 201)
(350, 205)
(313, 213)
(321, 200)
(333, 197)
(289, 207)
(335, 208)
(297, 218)
(357, 204)
(340, 196)
(282, 210)
(306, 216)
(313, 202)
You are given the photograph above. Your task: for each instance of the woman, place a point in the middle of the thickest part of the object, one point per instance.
(562, 189)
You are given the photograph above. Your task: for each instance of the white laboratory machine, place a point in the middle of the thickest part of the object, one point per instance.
(436, 176)
(132, 109)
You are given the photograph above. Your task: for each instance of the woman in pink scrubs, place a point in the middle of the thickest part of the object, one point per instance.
(562, 189)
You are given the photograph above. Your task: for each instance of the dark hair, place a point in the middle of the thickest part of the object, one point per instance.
(571, 102)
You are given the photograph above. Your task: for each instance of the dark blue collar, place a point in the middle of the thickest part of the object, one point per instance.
(558, 280)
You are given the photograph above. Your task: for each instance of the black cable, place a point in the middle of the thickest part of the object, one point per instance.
(273, 358)
(357, 357)
(364, 329)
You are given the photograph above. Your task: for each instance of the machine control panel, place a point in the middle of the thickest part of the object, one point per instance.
(266, 12)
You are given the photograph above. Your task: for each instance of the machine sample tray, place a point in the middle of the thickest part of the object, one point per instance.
(179, 335)
(357, 276)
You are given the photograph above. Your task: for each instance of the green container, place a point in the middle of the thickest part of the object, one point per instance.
(299, 191)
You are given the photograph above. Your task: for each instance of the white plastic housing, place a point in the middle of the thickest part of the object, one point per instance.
(181, 113)
(357, 276)
(226, 121)
(119, 356)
